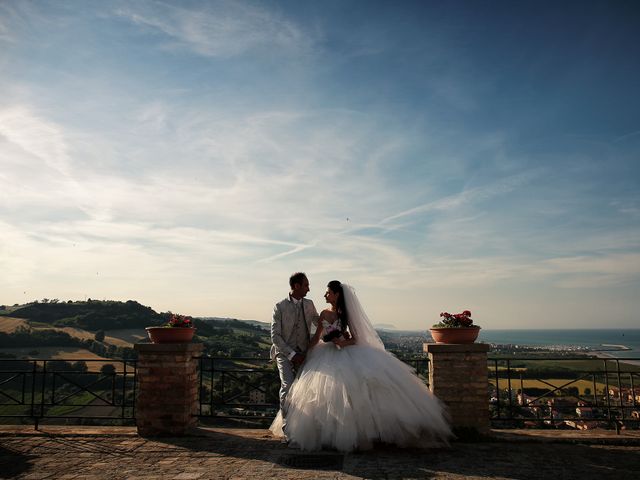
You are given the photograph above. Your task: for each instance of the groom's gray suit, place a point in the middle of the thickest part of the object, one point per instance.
(290, 334)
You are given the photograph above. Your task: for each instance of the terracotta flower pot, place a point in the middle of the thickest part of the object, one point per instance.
(170, 334)
(454, 335)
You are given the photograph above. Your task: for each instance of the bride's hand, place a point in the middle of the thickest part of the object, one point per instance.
(344, 342)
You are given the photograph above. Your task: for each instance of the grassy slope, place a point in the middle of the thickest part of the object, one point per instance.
(70, 354)
(70, 318)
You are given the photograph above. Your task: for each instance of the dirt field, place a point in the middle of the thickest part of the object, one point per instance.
(70, 354)
(120, 338)
(125, 337)
(74, 332)
(9, 324)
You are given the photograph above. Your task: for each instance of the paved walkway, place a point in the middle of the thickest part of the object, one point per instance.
(214, 453)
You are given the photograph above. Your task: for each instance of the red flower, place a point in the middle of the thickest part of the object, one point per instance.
(456, 320)
(180, 321)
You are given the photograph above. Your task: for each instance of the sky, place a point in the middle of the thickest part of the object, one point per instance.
(438, 156)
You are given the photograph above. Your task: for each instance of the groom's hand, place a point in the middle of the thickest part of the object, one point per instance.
(298, 359)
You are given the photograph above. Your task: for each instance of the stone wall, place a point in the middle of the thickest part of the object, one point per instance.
(167, 396)
(458, 377)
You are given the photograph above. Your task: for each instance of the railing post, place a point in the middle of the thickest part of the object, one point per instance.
(458, 377)
(167, 396)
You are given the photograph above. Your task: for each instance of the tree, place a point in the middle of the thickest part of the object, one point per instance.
(79, 366)
(572, 391)
(99, 336)
(108, 369)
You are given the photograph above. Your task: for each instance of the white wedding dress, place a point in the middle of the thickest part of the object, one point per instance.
(349, 398)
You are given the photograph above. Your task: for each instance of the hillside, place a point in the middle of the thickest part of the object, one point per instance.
(110, 328)
(92, 315)
(11, 324)
(257, 323)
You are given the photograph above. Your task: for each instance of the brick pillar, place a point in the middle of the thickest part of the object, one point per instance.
(167, 399)
(458, 377)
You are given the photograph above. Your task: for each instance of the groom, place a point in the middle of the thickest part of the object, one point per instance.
(290, 332)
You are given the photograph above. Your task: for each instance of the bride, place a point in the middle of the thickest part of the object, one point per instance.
(351, 392)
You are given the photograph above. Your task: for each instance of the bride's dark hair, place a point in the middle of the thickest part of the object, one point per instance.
(336, 287)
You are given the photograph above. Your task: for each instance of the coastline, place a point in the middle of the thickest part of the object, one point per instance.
(616, 347)
(611, 344)
(604, 351)
(608, 356)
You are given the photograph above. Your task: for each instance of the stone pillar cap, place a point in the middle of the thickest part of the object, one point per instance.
(456, 347)
(168, 347)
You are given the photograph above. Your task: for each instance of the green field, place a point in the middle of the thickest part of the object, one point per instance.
(550, 384)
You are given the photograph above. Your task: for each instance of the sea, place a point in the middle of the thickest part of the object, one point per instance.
(615, 343)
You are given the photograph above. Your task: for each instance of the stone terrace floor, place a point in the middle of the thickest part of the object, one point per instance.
(77, 453)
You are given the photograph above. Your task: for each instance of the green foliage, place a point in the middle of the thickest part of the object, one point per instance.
(108, 369)
(536, 392)
(221, 337)
(91, 315)
(549, 372)
(233, 338)
(64, 366)
(26, 337)
(557, 368)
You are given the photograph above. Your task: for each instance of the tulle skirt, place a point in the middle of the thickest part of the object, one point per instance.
(348, 399)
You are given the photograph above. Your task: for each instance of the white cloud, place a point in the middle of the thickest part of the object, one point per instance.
(627, 136)
(594, 271)
(35, 136)
(286, 180)
(221, 28)
(5, 32)
(476, 194)
(129, 179)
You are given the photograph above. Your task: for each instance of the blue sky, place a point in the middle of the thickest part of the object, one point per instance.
(435, 155)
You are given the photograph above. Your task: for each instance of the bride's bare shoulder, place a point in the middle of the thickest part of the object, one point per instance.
(328, 314)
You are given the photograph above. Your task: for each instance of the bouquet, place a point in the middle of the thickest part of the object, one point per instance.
(331, 333)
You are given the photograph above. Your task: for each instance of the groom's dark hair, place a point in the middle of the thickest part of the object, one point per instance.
(297, 277)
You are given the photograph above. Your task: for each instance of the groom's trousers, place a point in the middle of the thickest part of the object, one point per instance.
(287, 376)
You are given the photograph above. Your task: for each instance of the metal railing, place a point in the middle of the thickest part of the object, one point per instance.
(247, 388)
(522, 391)
(602, 393)
(238, 387)
(102, 391)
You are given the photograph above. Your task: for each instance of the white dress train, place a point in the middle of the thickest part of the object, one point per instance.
(349, 398)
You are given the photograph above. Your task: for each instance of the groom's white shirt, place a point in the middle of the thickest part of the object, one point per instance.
(288, 333)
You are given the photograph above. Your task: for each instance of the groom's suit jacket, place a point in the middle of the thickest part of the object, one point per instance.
(291, 326)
